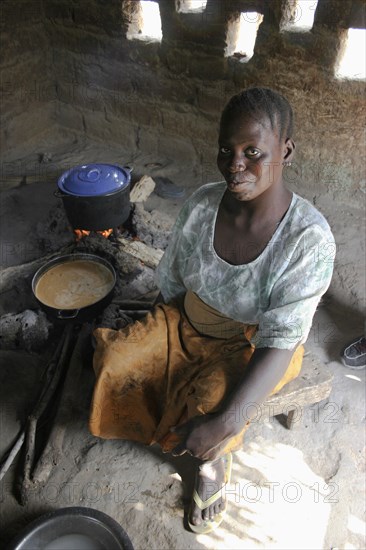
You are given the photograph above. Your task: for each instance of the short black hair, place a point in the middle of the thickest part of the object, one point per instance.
(257, 102)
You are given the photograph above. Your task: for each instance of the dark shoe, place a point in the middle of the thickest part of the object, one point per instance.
(166, 189)
(354, 355)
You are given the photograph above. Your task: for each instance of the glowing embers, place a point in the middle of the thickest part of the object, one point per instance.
(352, 60)
(191, 6)
(302, 15)
(145, 22)
(241, 36)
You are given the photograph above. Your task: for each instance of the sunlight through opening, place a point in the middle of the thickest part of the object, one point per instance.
(149, 23)
(191, 6)
(151, 26)
(353, 61)
(243, 49)
(303, 17)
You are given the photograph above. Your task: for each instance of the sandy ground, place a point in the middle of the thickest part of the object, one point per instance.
(291, 489)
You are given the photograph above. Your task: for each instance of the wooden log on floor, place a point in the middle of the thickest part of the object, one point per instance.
(146, 254)
(313, 385)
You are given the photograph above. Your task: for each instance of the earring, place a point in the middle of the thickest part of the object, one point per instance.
(286, 163)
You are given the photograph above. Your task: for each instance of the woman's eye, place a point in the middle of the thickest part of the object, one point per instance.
(252, 152)
(225, 151)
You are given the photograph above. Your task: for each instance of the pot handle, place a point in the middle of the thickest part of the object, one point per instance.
(129, 168)
(64, 314)
(58, 194)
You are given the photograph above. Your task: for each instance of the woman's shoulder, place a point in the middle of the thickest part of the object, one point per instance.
(207, 192)
(305, 216)
(204, 199)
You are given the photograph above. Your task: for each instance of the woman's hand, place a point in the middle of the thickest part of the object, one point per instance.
(203, 436)
(206, 436)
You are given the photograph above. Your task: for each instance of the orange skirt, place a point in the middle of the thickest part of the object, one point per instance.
(159, 372)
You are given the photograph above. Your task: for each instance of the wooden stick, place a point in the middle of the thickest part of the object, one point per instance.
(53, 449)
(24, 434)
(55, 376)
(13, 453)
(54, 373)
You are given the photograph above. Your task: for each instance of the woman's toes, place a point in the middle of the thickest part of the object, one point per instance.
(196, 519)
(210, 477)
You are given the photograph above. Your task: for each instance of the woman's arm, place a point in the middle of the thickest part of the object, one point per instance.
(205, 436)
(266, 368)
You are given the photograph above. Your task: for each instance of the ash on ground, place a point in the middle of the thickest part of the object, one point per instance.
(27, 331)
(55, 231)
(153, 228)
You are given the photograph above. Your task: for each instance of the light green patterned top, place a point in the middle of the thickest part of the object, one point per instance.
(279, 290)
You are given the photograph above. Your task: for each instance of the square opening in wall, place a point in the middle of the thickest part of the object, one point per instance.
(302, 13)
(352, 59)
(190, 6)
(241, 36)
(146, 22)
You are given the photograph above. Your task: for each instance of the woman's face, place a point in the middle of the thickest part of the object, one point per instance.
(251, 155)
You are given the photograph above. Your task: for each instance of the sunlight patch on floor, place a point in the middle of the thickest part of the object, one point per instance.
(356, 525)
(273, 498)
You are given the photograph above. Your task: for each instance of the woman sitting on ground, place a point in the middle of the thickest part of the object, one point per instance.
(247, 263)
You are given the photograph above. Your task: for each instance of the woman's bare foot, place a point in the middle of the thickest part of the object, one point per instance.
(210, 479)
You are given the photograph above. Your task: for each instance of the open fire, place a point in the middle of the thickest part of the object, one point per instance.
(80, 233)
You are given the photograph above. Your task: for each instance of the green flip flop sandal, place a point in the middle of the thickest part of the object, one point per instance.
(209, 525)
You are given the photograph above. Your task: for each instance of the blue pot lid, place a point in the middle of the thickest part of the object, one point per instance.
(89, 180)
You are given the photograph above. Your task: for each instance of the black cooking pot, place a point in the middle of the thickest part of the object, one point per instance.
(59, 279)
(96, 196)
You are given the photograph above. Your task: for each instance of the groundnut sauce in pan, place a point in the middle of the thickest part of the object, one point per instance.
(74, 284)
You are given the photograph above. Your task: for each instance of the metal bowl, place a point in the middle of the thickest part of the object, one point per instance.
(73, 528)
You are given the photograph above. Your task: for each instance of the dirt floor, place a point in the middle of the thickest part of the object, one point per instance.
(291, 489)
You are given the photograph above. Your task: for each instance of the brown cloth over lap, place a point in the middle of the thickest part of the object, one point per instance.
(159, 372)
